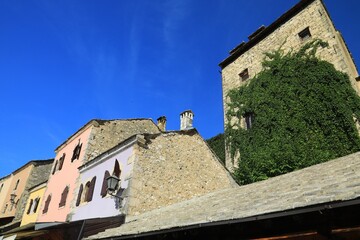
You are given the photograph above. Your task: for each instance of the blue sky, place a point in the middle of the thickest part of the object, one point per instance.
(63, 63)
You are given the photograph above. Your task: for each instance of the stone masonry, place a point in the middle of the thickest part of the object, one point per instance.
(173, 167)
(284, 34)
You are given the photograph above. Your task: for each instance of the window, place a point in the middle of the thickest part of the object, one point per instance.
(17, 184)
(249, 119)
(47, 202)
(244, 75)
(36, 204)
(104, 185)
(64, 196)
(61, 161)
(90, 192)
(76, 152)
(30, 206)
(2, 185)
(305, 34)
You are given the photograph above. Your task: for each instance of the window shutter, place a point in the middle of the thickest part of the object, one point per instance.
(47, 202)
(117, 170)
(36, 204)
(55, 166)
(64, 196)
(30, 205)
(91, 189)
(79, 195)
(78, 151)
(61, 161)
(104, 185)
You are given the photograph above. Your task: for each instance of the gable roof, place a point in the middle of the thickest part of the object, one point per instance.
(332, 182)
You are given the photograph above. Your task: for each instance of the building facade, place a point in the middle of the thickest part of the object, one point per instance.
(307, 20)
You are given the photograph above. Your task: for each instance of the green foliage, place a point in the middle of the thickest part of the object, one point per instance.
(217, 144)
(304, 114)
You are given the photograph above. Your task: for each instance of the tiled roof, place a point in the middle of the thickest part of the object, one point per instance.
(330, 182)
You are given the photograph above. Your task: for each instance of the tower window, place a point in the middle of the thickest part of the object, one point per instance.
(244, 75)
(249, 119)
(305, 34)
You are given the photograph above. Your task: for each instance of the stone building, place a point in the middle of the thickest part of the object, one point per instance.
(155, 170)
(22, 180)
(93, 139)
(307, 20)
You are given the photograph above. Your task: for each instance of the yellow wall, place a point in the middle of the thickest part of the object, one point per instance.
(31, 217)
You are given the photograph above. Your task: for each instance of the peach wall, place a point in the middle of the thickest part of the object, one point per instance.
(5, 183)
(22, 175)
(67, 176)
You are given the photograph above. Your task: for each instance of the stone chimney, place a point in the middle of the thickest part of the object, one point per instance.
(161, 123)
(186, 120)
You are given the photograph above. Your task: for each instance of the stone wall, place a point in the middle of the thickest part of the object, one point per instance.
(286, 36)
(39, 174)
(173, 167)
(108, 134)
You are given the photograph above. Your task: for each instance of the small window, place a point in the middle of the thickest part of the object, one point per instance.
(76, 152)
(61, 161)
(2, 185)
(64, 196)
(47, 203)
(79, 195)
(305, 34)
(249, 119)
(17, 184)
(244, 75)
(90, 189)
(36, 204)
(30, 206)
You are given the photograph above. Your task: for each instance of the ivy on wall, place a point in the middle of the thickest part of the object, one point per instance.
(217, 144)
(303, 113)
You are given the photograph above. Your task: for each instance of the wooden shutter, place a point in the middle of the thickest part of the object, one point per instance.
(47, 202)
(117, 170)
(78, 200)
(61, 161)
(104, 184)
(55, 166)
(30, 205)
(63, 197)
(36, 204)
(91, 190)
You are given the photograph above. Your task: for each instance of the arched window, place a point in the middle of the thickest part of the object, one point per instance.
(47, 202)
(30, 205)
(55, 166)
(64, 196)
(78, 200)
(104, 184)
(117, 170)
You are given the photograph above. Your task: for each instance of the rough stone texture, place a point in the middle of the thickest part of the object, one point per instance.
(39, 174)
(331, 182)
(286, 36)
(107, 134)
(173, 167)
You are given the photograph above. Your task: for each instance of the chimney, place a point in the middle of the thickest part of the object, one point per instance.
(161, 123)
(186, 120)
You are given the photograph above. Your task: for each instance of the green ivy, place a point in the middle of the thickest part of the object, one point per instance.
(217, 144)
(304, 114)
